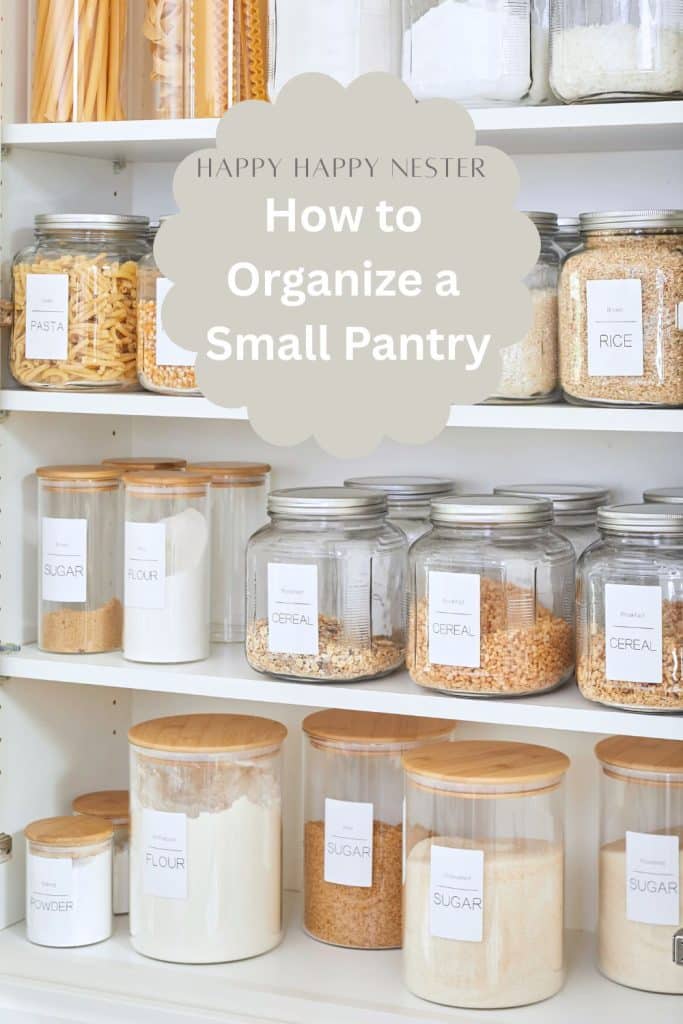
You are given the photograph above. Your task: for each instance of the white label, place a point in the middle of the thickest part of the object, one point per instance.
(348, 843)
(633, 633)
(64, 560)
(292, 608)
(652, 879)
(615, 328)
(50, 903)
(456, 894)
(145, 581)
(47, 316)
(454, 619)
(164, 836)
(167, 352)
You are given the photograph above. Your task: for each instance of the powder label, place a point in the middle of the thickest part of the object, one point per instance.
(453, 621)
(64, 569)
(652, 879)
(164, 835)
(348, 843)
(633, 631)
(50, 903)
(47, 316)
(167, 352)
(145, 579)
(615, 328)
(456, 894)
(292, 608)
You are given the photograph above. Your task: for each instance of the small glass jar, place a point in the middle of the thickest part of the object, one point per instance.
(484, 885)
(166, 567)
(68, 881)
(112, 806)
(619, 300)
(575, 508)
(326, 587)
(353, 833)
(79, 559)
(408, 499)
(491, 599)
(664, 495)
(641, 861)
(145, 462)
(206, 837)
(238, 509)
(568, 236)
(629, 609)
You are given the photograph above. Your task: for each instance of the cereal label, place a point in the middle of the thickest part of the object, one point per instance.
(165, 852)
(615, 328)
(456, 894)
(348, 843)
(292, 608)
(47, 316)
(633, 628)
(64, 568)
(652, 879)
(454, 614)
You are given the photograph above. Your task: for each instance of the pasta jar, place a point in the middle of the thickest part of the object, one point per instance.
(238, 509)
(68, 881)
(664, 495)
(484, 887)
(325, 587)
(491, 599)
(112, 806)
(575, 508)
(353, 833)
(629, 608)
(144, 462)
(79, 559)
(641, 861)
(74, 299)
(568, 236)
(408, 499)
(206, 837)
(166, 566)
(620, 326)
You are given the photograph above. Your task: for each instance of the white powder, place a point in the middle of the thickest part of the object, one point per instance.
(530, 366)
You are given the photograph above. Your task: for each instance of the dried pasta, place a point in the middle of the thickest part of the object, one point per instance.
(167, 27)
(251, 31)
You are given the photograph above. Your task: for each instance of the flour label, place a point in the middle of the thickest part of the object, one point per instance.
(164, 838)
(453, 620)
(292, 608)
(167, 352)
(652, 879)
(64, 569)
(615, 328)
(51, 902)
(456, 894)
(348, 843)
(47, 316)
(145, 559)
(633, 633)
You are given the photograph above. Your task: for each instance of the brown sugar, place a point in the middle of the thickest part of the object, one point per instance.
(70, 631)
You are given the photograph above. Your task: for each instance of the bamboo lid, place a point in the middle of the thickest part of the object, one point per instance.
(339, 726)
(207, 734)
(641, 753)
(112, 804)
(487, 763)
(102, 473)
(232, 474)
(161, 480)
(142, 463)
(74, 830)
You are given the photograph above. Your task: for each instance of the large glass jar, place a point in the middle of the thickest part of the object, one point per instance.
(575, 508)
(664, 495)
(620, 295)
(206, 837)
(353, 832)
(75, 292)
(484, 882)
(629, 609)
(641, 861)
(326, 587)
(408, 498)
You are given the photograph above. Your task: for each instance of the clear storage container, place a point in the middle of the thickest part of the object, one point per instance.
(568, 236)
(353, 832)
(484, 886)
(664, 495)
(79, 559)
(145, 462)
(408, 499)
(629, 609)
(206, 837)
(166, 566)
(326, 587)
(575, 508)
(641, 861)
(75, 292)
(491, 599)
(112, 806)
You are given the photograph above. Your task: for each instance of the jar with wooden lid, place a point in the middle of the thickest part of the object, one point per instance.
(484, 886)
(575, 508)
(664, 495)
(408, 499)
(112, 806)
(206, 837)
(137, 463)
(68, 881)
(79, 559)
(353, 832)
(641, 861)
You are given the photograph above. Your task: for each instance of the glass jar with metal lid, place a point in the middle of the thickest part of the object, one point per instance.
(664, 495)
(75, 293)
(629, 594)
(145, 462)
(112, 805)
(621, 334)
(491, 598)
(408, 498)
(326, 586)
(575, 508)
(568, 235)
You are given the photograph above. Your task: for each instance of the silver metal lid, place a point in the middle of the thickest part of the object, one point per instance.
(664, 495)
(567, 225)
(567, 498)
(110, 222)
(545, 223)
(404, 490)
(491, 510)
(644, 519)
(321, 502)
(5, 844)
(628, 220)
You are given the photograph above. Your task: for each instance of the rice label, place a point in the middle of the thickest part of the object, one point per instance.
(292, 608)
(348, 843)
(615, 328)
(456, 894)
(633, 633)
(167, 352)
(453, 620)
(145, 559)
(64, 568)
(50, 903)
(652, 879)
(164, 838)
(47, 316)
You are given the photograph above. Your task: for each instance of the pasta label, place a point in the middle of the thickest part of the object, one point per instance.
(47, 316)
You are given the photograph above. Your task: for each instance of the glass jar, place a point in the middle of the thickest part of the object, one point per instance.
(326, 587)
(641, 861)
(206, 837)
(79, 559)
(166, 567)
(484, 886)
(664, 495)
(575, 508)
(629, 609)
(75, 293)
(238, 509)
(408, 499)
(112, 806)
(354, 788)
(491, 599)
(621, 339)
(145, 462)
(68, 881)
(5, 848)
(568, 236)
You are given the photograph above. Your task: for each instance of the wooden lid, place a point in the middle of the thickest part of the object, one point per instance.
(112, 804)
(74, 830)
(228, 469)
(171, 479)
(640, 753)
(339, 726)
(100, 473)
(487, 763)
(207, 734)
(142, 462)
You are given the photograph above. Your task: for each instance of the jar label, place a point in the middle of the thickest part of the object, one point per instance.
(348, 843)
(47, 316)
(164, 839)
(50, 903)
(652, 879)
(456, 894)
(633, 633)
(292, 608)
(64, 560)
(167, 352)
(145, 579)
(614, 311)
(454, 619)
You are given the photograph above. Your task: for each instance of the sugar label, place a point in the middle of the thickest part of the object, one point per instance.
(164, 837)
(64, 568)
(348, 843)
(47, 316)
(652, 879)
(633, 633)
(292, 608)
(456, 894)
(167, 352)
(51, 903)
(615, 328)
(453, 620)
(145, 560)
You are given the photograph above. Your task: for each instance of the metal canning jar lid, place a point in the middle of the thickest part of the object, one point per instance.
(649, 519)
(74, 830)
(544, 222)
(568, 226)
(565, 498)
(664, 495)
(97, 222)
(632, 220)
(404, 490)
(322, 502)
(491, 510)
(207, 734)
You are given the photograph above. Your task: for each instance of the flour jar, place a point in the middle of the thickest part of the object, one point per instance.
(112, 806)
(166, 566)
(664, 495)
(484, 900)
(575, 508)
(408, 498)
(353, 832)
(206, 837)
(641, 861)
(68, 881)
(137, 463)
